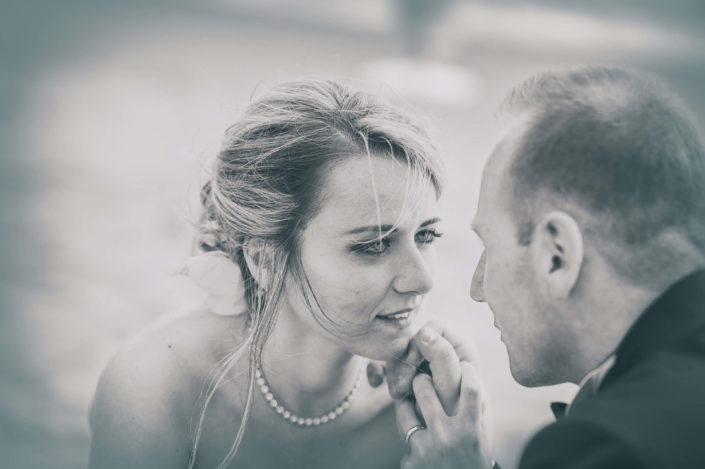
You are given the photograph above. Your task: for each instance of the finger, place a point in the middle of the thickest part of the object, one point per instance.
(400, 372)
(406, 416)
(471, 401)
(471, 413)
(465, 350)
(445, 366)
(375, 373)
(427, 400)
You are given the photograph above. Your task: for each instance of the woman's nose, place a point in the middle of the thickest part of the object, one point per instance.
(477, 290)
(415, 274)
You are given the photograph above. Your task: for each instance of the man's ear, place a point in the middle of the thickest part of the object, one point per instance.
(255, 252)
(557, 253)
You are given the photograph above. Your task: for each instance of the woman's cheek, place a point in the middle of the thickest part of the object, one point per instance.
(360, 295)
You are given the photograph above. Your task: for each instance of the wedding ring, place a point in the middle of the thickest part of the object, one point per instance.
(413, 430)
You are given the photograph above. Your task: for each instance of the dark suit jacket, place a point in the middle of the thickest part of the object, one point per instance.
(649, 411)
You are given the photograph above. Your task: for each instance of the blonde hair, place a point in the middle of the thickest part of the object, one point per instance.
(266, 187)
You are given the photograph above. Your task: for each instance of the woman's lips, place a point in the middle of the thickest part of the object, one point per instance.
(400, 319)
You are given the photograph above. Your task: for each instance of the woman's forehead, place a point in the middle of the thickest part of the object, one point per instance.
(363, 191)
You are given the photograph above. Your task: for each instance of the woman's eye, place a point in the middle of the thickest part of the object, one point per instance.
(427, 236)
(373, 248)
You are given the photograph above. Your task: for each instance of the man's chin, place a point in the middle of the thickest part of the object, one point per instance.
(534, 379)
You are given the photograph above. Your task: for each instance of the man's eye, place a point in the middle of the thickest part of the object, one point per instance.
(373, 248)
(427, 236)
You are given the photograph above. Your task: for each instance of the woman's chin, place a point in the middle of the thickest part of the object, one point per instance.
(386, 348)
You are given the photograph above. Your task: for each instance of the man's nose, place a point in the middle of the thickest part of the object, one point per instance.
(477, 290)
(415, 274)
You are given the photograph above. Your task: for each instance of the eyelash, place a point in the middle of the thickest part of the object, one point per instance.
(379, 247)
(431, 235)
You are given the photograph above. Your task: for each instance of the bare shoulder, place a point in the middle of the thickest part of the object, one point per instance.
(145, 400)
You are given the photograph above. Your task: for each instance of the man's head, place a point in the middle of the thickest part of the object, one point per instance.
(592, 202)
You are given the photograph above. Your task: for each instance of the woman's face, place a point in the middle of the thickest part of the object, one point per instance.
(370, 288)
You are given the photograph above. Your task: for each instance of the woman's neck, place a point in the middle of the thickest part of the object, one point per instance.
(308, 373)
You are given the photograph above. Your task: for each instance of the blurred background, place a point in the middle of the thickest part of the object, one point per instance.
(111, 113)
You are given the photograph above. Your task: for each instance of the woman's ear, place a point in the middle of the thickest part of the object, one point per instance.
(255, 252)
(558, 253)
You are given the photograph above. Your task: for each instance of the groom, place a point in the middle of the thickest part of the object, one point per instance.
(592, 213)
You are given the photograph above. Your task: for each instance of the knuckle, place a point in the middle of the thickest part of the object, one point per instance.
(402, 387)
(470, 385)
(471, 401)
(445, 351)
(469, 388)
(457, 438)
(405, 464)
(419, 451)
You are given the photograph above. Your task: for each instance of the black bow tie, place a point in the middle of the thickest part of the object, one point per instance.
(559, 409)
(588, 388)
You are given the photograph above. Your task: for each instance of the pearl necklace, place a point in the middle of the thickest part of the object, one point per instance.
(305, 421)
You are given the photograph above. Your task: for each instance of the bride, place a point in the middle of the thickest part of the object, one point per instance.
(320, 219)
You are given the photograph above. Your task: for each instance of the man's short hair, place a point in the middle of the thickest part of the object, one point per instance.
(620, 146)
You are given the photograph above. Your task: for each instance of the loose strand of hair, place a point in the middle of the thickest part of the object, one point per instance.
(373, 182)
(219, 375)
(260, 334)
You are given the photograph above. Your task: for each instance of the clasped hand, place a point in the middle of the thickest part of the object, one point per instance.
(448, 404)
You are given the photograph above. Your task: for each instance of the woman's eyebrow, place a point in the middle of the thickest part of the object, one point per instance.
(388, 228)
(430, 221)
